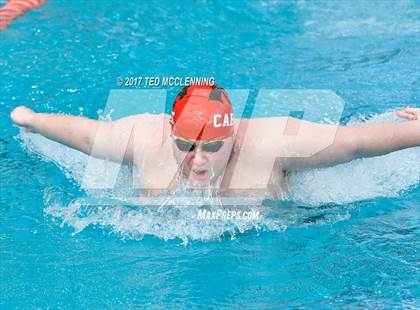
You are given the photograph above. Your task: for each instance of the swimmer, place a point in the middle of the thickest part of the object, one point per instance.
(204, 146)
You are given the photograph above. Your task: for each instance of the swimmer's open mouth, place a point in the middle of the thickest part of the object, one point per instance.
(199, 174)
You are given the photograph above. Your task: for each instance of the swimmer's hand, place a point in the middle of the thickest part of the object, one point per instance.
(408, 113)
(22, 117)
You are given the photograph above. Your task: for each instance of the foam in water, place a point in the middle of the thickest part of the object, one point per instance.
(315, 196)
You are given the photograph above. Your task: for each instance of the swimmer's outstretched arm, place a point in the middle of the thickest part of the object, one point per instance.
(364, 140)
(107, 140)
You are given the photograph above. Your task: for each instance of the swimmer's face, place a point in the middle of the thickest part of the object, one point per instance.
(205, 162)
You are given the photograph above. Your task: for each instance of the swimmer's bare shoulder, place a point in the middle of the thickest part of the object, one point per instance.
(142, 125)
(144, 132)
(151, 129)
(254, 150)
(264, 132)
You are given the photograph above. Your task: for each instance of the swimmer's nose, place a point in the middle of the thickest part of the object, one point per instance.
(199, 158)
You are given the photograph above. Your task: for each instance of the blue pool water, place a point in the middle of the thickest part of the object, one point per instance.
(346, 238)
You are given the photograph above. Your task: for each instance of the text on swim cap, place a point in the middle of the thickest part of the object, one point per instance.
(227, 120)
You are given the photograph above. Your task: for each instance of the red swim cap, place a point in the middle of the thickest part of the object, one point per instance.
(202, 113)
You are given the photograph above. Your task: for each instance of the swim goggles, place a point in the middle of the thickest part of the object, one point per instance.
(185, 145)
